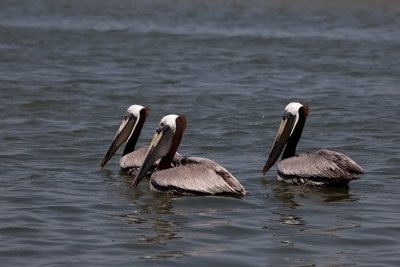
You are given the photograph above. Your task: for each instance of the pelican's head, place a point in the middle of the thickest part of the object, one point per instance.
(164, 144)
(289, 130)
(129, 129)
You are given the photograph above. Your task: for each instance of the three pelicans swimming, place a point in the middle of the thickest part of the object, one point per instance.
(170, 172)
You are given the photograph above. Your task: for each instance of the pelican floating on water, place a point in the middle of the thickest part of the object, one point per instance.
(322, 167)
(130, 129)
(194, 175)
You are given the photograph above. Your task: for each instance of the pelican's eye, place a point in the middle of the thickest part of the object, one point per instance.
(127, 115)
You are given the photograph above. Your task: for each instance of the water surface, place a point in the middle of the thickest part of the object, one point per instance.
(69, 70)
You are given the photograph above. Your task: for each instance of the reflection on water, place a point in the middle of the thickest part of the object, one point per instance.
(149, 208)
(159, 222)
(163, 231)
(288, 219)
(294, 196)
(147, 214)
(300, 199)
(333, 231)
(285, 194)
(189, 252)
(164, 255)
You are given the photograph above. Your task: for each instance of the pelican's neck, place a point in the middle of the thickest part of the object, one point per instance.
(290, 149)
(130, 145)
(166, 161)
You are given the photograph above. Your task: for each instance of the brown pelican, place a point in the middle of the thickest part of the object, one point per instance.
(193, 176)
(322, 167)
(130, 129)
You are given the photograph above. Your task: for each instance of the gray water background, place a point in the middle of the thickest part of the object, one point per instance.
(69, 70)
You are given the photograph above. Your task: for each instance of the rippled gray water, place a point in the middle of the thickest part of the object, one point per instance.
(69, 70)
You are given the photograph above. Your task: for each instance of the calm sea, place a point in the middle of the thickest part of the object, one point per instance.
(70, 69)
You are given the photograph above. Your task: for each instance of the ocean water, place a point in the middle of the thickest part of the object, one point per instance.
(70, 69)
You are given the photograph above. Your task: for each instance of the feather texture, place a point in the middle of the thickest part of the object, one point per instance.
(134, 159)
(321, 167)
(196, 175)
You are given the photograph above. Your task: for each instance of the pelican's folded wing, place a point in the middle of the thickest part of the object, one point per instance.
(197, 175)
(134, 159)
(320, 164)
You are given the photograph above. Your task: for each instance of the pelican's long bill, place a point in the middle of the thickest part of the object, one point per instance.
(159, 147)
(130, 127)
(286, 127)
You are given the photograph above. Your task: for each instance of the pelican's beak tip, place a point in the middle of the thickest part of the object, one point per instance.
(264, 170)
(102, 163)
